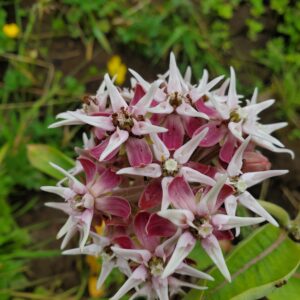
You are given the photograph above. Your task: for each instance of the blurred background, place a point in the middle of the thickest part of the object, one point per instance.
(52, 53)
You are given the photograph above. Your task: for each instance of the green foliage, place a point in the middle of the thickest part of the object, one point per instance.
(258, 265)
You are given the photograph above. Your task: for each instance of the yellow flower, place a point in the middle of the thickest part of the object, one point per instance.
(116, 67)
(93, 263)
(11, 30)
(93, 287)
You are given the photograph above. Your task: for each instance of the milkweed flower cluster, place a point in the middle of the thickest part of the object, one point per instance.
(165, 167)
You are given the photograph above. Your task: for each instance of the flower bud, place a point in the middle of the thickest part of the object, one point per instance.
(255, 162)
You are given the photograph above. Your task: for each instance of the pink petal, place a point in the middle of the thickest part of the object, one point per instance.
(140, 222)
(209, 111)
(115, 141)
(227, 150)
(138, 94)
(181, 194)
(255, 162)
(124, 242)
(173, 138)
(113, 205)
(151, 196)
(225, 192)
(158, 226)
(106, 182)
(89, 168)
(192, 124)
(215, 134)
(138, 152)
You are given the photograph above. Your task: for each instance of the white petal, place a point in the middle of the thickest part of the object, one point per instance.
(184, 246)
(232, 95)
(253, 178)
(107, 266)
(161, 288)
(237, 130)
(92, 249)
(225, 222)
(176, 282)
(183, 154)
(188, 74)
(116, 100)
(151, 170)
(145, 85)
(207, 203)
(160, 150)
(230, 207)
(192, 175)
(174, 84)
(138, 276)
(185, 269)
(115, 141)
(141, 107)
(236, 163)
(143, 127)
(138, 255)
(214, 251)
(179, 217)
(258, 107)
(269, 128)
(162, 108)
(222, 109)
(247, 200)
(165, 192)
(186, 109)
(76, 183)
(63, 192)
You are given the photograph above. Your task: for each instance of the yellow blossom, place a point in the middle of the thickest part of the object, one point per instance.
(93, 287)
(11, 30)
(116, 67)
(93, 263)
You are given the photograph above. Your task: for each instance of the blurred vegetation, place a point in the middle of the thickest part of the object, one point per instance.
(53, 52)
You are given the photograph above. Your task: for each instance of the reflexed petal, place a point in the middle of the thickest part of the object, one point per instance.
(158, 226)
(85, 221)
(138, 94)
(115, 141)
(227, 150)
(187, 110)
(214, 135)
(183, 154)
(184, 246)
(253, 178)
(151, 195)
(138, 276)
(160, 150)
(145, 127)
(179, 217)
(89, 168)
(113, 205)
(236, 163)
(269, 128)
(140, 223)
(173, 138)
(92, 249)
(192, 175)
(138, 152)
(258, 107)
(65, 207)
(181, 195)
(161, 287)
(247, 200)
(116, 100)
(152, 170)
(176, 282)
(213, 249)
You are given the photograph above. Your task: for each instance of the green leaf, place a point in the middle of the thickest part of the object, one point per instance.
(290, 290)
(258, 265)
(40, 155)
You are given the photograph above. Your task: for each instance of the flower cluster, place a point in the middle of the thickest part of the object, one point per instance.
(165, 167)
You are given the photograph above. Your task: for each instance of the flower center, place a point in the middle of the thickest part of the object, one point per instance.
(124, 119)
(237, 115)
(156, 266)
(202, 228)
(170, 167)
(239, 184)
(175, 99)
